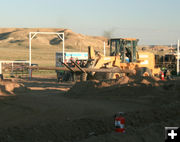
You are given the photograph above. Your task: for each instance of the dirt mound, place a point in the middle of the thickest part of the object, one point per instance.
(10, 87)
(92, 87)
(141, 89)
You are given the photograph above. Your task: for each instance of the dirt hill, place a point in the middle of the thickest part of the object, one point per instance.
(19, 37)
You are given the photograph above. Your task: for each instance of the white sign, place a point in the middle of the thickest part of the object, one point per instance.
(70, 55)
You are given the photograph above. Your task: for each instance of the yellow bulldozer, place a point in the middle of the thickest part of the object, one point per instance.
(124, 59)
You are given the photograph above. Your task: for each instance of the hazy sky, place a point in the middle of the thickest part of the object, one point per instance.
(152, 21)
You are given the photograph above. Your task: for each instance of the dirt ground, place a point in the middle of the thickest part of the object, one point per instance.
(42, 110)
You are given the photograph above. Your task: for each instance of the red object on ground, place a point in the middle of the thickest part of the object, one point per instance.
(119, 124)
(162, 75)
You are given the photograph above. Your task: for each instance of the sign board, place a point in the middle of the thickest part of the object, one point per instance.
(70, 55)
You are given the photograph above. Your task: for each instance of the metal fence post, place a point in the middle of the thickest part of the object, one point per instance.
(178, 58)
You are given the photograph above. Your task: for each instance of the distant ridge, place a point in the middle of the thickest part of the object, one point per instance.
(19, 37)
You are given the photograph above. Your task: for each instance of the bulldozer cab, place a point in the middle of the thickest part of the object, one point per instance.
(125, 47)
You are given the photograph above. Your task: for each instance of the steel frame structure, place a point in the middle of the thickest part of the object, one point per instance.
(33, 34)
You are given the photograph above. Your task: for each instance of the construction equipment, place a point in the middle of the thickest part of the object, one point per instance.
(123, 57)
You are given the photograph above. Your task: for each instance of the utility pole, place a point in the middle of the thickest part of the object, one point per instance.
(178, 58)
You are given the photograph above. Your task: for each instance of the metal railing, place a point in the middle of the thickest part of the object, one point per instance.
(14, 67)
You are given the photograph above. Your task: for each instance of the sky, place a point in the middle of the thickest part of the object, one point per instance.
(151, 21)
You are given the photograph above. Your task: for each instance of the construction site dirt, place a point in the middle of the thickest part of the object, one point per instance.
(42, 110)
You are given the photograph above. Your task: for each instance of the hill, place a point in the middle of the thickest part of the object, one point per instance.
(19, 37)
(14, 43)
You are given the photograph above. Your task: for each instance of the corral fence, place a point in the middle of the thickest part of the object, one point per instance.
(14, 68)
